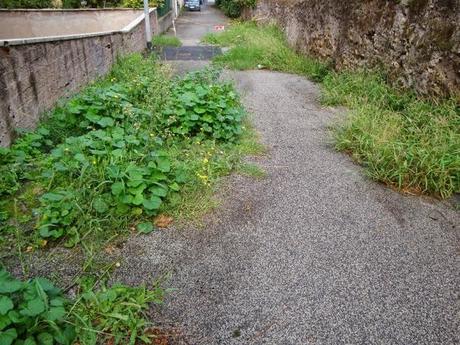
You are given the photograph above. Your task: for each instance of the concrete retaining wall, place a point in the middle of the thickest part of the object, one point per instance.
(36, 72)
(165, 22)
(43, 23)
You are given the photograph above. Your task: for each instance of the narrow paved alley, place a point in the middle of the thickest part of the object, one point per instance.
(315, 253)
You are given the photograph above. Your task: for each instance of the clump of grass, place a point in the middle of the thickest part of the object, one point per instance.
(209, 163)
(115, 314)
(252, 170)
(254, 46)
(166, 41)
(99, 314)
(402, 140)
(250, 143)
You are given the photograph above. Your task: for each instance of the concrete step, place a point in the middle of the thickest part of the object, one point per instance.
(188, 52)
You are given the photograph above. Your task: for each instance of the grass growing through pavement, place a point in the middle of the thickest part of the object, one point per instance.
(407, 142)
(166, 41)
(252, 170)
(255, 47)
(194, 201)
(402, 140)
(131, 149)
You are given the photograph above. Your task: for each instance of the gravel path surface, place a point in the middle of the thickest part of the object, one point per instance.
(315, 253)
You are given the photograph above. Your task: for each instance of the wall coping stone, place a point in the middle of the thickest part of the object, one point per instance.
(31, 40)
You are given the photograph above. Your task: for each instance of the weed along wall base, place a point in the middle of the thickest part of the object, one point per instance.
(57, 53)
(403, 140)
(134, 151)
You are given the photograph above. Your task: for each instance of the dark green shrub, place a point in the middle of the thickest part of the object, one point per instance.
(103, 3)
(234, 8)
(71, 3)
(25, 3)
(49, 3)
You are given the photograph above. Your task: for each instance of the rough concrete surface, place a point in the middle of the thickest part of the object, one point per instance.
(315, 253)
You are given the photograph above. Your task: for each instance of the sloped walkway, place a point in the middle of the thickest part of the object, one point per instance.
(315, 253)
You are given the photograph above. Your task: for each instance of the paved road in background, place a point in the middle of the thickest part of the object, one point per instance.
(192, 26)
(315, 253)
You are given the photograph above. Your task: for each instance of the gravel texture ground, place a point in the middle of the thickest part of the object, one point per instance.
(315, 253)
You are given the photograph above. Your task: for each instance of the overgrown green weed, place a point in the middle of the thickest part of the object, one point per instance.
(131, 147)
(401, 139)
(262, 47)
(166, 41)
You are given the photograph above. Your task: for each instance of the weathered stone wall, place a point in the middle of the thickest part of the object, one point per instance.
(34, 76)
(416, 41)
(165, 22)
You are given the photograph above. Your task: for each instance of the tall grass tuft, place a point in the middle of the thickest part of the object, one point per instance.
(404, 141)
(166, 41)
(254, 46)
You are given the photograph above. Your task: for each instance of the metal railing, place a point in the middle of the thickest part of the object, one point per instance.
(164, 8)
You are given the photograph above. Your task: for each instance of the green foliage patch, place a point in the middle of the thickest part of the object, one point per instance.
(234, 8)
(140, 3)
(35, 312)
(63, 3)
(26, 3)
(262, 47)
(114, 314)
(131, 146)
(32, 312)
(111, 156)
(204, 108)
(402, 140)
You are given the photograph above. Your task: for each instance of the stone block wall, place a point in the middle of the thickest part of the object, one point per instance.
(165, 22)
(33, 77)
(416, 41)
